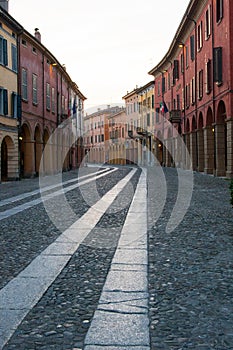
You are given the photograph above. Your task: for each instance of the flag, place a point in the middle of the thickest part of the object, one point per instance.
(74, 107)
(163, 107)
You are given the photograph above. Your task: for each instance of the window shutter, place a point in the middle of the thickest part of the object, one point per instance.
(19, 107)
(163, 85)
(192, 47)
(5, 56)
(217, 56)
(5, 102)
(14, 58)
(176, 69)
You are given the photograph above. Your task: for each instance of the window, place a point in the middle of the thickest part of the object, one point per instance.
(217, 58)
(178, 101)
(182, 63)
(183, 99)
(3, 51)
(24, 85)
(53, 100)
(193, 92)
(200, 84)
(208, 23)
(219, 10)
(187, 93)
(14, 105)
(158, 88)
(192, 48)
(208, 76)
(47, 96)
(169, 81)
(3, 101)
(34, 89)
(14, 58)
(176, 69)
(24, 43)
(152, 102)
(163, 85)
(148, 119)
(199, 36)
(187, 56)
(157, 115)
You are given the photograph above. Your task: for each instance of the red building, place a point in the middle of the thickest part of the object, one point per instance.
(52, 110)
(195, 80)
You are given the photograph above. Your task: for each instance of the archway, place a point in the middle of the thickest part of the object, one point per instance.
(26, 149)
(209, 143)
(9, 159)
(220, 140)
(4, 161)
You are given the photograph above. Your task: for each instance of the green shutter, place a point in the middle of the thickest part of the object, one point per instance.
(5, 102)
(5, 56)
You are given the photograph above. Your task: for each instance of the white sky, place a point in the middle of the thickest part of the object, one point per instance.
(108, 47)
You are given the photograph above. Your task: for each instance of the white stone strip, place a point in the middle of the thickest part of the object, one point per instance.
(9, 212)
(47, 188)
(121, 319)
(19, 296)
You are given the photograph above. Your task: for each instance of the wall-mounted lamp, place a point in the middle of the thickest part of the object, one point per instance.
(213, 129)
(20, 138)
(159, 145)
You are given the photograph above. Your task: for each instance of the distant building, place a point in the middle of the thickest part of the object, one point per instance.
(103, 130)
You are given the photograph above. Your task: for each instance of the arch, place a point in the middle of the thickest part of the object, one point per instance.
(221, 113)
(194, 123)
(209, 117)
(26, 149)
(200, 143)
(200, 121)
(221, 140)
(9, 159)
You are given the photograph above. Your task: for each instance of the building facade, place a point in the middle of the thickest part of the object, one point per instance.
(9, 99)
(52, 111)
(140, 120)
(194, 81)
(104, 135)
(41, 108)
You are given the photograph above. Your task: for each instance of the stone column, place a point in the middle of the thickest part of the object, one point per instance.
(208, 150)
(200, 150)
(220, 150)
(193, 149)
(229, 141)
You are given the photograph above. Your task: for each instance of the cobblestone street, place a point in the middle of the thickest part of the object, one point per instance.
(91, 263)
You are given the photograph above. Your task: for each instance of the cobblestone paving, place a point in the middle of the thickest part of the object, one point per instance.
(26, 234)
(62, 317)
(190, 268)
(191, 271)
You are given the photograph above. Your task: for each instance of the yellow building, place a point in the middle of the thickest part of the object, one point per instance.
(9, 100)
(141, 120)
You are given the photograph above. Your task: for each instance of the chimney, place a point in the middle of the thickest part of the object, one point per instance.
(37, 34)
(4, 4)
